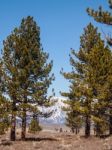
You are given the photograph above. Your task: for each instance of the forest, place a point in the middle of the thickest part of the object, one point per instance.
(26, 75)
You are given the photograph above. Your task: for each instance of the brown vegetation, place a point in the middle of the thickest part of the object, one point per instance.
(47, 140)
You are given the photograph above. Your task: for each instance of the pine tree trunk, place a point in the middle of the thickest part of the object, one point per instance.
(110, 125)
(98, 131)
(72, 129)
(23, 133)
(13, 128)
(87, 126)
(76, 131)
(13, 124)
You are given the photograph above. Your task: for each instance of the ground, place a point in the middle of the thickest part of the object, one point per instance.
(49, 140)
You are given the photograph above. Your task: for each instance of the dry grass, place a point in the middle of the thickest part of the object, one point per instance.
(55, 141)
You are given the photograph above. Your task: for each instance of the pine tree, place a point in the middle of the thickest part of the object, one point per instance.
(27, 72)
(4, 105)
(4, 114)
(100, 58)
(90, 72)
(34, 125)
(83, 82)
(105, 17)
(74, 121)
(100, 15)
(10, 76)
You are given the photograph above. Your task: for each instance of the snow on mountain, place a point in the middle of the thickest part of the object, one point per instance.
(58, 116)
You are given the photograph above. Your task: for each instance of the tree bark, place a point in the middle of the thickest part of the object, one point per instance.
(72, 129)
(87, 126)
(13, 123)
(76, 131)
(23, 132)
(98, 130)
(13, 128)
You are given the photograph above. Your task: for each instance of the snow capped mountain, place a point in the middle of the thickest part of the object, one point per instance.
(58, 116)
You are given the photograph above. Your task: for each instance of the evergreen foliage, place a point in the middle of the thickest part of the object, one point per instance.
(105, 17)
(4, 115)
(89, 73)
(4, 105)
(26, 72)
(34, 126)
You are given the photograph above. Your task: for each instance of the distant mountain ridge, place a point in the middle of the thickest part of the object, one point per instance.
(58, 116)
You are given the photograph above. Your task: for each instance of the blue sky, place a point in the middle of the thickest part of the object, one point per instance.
(61, 23)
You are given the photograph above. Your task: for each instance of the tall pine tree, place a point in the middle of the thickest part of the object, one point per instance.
(105, 17)
(100, 62)
(83, 89)
(27, 72)
(79, 98)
